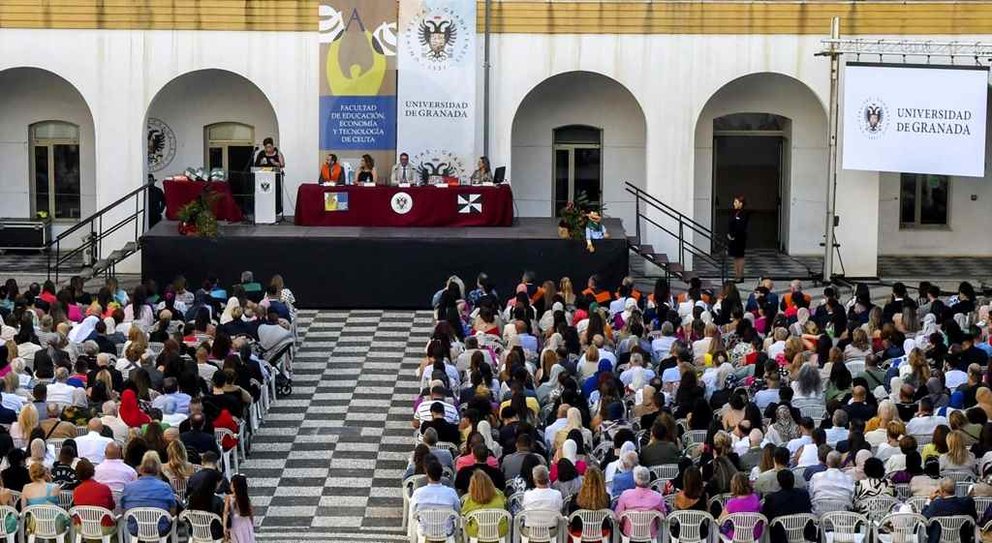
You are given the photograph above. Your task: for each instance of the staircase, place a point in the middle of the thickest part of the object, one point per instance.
(652, 214)
(707, 250)
(121, 216)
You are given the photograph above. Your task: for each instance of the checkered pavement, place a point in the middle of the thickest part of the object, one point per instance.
(327, 462)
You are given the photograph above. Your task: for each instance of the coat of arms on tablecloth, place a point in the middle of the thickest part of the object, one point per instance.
(469, 203)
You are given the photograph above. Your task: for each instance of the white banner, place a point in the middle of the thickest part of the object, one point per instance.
(915, 119)
(436, 91)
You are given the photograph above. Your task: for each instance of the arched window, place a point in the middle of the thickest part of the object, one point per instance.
(229, 146)
(578, 166)
(55, 170)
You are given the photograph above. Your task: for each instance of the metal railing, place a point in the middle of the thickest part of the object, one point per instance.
(684, 231)
(92, 241)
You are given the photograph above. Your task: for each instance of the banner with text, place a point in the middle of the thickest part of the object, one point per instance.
(436, 102)
(915, 119)
(358, 79)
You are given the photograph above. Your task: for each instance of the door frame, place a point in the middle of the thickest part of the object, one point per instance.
(571, 148)
(783, 161)
(49, 144)
(223, 144)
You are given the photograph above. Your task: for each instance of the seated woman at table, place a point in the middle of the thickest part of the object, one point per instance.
(482, 173)
(366, 170)
(331, 171)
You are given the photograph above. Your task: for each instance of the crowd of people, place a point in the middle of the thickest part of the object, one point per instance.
(146, 398)
(561, 401)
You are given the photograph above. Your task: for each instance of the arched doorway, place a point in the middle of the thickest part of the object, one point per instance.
(212, 119)
(764, 136)
(47, 139)
(577, 132)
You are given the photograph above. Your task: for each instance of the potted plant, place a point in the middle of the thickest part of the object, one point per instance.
(574, 216)
(197, 217)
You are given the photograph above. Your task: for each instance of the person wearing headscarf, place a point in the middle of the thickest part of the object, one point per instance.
(616, 466)
(591, 384)
(201, 300)
(937, 393)
(487, 435)
(647, 410)
(130, 412)
(784, 429)
(82, 331)
(227, 316)
(568, 451)
(799, 327)
(573, 421)
(858, 471)
(568, 480)
(545, 391)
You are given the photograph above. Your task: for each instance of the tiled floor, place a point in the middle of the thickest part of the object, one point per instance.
(327, 462)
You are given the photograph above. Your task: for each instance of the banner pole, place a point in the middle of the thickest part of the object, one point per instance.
(828, 249)
(486, 69)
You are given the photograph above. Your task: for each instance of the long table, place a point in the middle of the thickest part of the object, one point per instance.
(404, 206)
(180, 193)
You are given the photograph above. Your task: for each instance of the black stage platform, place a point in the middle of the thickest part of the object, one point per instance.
(357, 267)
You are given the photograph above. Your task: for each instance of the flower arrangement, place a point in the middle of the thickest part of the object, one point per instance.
(197, 217)
(575, 215)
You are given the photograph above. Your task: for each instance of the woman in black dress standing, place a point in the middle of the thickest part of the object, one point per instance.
(737, 237)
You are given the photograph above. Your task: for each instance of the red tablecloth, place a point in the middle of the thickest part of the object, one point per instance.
(180, 193)
(407, 206)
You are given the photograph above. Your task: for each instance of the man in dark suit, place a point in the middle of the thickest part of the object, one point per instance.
(944, 503)
(787, 501)
(197, 439)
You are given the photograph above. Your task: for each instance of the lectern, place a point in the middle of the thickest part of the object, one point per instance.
(266, 189)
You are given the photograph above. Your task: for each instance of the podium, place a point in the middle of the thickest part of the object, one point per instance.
(266, 189)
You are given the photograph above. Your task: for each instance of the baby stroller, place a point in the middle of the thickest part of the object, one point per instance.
(280, 358)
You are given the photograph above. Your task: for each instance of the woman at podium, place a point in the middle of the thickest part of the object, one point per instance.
(269, 157)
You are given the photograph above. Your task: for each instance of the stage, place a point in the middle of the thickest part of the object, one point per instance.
(373, 268)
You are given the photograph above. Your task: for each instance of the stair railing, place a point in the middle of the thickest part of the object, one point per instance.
(716, 252)
(92, 240)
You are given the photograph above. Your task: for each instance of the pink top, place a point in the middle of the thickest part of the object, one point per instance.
(640, 499)
(743, 504)
(467, 460)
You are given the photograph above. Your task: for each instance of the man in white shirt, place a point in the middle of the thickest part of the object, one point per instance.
(113, 472)
(662, 346)
(171, 388)
(464, 360)
(763, 398)
(541, 497)
(435, 495)
(403, 171)
(806, 437)
(893, 431)
(604, 352)
(559, 423)
(953, 377)
(12, 401)
(636, 367)
(112, 421)
(833, 484)
(59, 392)
(925, 421)
(837, 432)
(93, 445)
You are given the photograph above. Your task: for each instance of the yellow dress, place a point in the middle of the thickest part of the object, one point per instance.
(498, 502)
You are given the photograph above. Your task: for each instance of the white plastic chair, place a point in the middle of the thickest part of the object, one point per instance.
(592, 524)
(7, 511)
(147, 519)
(538, 526)
(821, 507)
(903, 491)
(922, 440)
(846, 526)
(487, 522)
(950, 527)
(229, 457)
(795, 526)
(664, 471)
(962, 481)
(917, 503)
(179, 488)
(981, 504)
(719, 499)
(199, 525)
(856, 367)
(410, 484)
(906, 527)
(744, 525)
(446, 446)
(878, 507)
(515, 502)
(46, 523)
(437, 525)
(690, 525)
(635, 526)
(65, 499)
(90, 526)
(692, 437)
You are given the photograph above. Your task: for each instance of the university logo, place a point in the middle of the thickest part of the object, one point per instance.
(469, 204)
(438, 38)
(874, 118)
(266, 186)
(401, 203)
(161, 145)
(435, 164)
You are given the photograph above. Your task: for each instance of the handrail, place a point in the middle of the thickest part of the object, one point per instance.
(97, 215)
(669, 210)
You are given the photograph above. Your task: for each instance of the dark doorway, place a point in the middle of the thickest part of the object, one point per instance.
(749, 160)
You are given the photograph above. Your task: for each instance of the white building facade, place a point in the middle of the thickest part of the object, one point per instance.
(691, 117)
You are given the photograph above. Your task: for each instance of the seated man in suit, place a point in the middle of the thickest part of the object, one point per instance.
(944, 503)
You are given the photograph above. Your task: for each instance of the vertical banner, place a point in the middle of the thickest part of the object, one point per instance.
(358, 80)
(436, 98)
